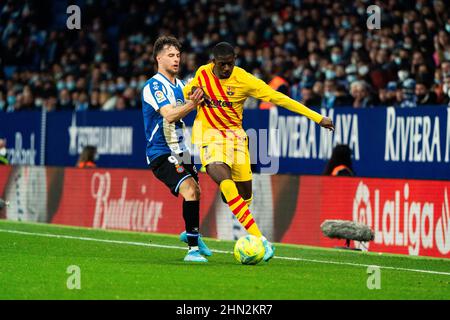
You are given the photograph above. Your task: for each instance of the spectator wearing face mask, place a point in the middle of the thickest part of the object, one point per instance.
(82, 103)
(329, 96)
(309, 98)
(387, 96)
(314, 60)
(65, 100)
(336, 55)
(424, 95)
(361, 95)
(363, 72)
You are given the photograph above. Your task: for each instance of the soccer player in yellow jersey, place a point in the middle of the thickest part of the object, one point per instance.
(218, 131)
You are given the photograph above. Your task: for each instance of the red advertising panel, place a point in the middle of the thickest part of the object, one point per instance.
(407, 216)
(122, 199)
(4, 175)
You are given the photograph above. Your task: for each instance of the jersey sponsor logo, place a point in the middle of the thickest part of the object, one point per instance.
(211, 103)
(155, 85)
(159, 96)
(230, 91)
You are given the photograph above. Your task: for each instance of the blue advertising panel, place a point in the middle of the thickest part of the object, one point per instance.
(118, 136)
(385, 142)
(22, 131)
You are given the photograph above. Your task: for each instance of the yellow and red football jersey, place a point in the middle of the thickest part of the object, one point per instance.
(221, 117)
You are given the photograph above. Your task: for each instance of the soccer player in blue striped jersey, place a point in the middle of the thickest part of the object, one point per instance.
(163, 107)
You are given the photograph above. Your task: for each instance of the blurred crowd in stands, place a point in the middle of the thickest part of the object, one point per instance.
(322, 49)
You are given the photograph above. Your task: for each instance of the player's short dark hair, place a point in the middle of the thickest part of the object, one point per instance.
(223, 49)
(163, 41)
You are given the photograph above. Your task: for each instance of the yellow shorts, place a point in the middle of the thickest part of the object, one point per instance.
(232, 152)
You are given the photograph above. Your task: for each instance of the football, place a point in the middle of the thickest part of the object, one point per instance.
(249, 249)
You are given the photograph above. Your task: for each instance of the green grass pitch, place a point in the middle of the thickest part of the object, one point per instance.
(34, 262)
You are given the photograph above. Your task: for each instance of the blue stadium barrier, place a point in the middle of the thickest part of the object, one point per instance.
(386, 142)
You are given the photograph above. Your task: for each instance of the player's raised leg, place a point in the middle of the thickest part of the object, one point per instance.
(245, 191)
(221, 174)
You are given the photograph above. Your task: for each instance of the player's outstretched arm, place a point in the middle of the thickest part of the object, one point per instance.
(260, 90)
(297, 107)
(173, 114)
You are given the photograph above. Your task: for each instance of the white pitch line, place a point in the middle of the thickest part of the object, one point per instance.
(142, 244)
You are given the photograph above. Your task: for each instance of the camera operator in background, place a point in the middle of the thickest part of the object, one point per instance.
(340, 163)
(88, 157)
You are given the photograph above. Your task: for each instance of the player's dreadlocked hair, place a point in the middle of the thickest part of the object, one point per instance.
(223, 49)
(163, 41)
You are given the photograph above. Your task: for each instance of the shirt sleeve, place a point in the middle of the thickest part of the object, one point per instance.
(260, 90)
(193, 82)
(154, 95)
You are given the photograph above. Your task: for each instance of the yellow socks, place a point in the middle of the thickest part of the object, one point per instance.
(249, 201)
(239, 207)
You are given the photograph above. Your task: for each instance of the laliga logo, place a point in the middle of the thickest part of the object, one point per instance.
(362, 210)
(443, 228)
(402, 221)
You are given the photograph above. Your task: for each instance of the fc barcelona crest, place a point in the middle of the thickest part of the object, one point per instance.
(230, 91)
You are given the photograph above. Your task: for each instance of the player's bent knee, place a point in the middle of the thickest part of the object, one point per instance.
(190, 190)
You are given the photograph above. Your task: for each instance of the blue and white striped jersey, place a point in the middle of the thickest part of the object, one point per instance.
(162, 137)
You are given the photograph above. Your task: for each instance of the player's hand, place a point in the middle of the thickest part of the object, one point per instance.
(196, 96)
(206, 99)
(327, 123)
